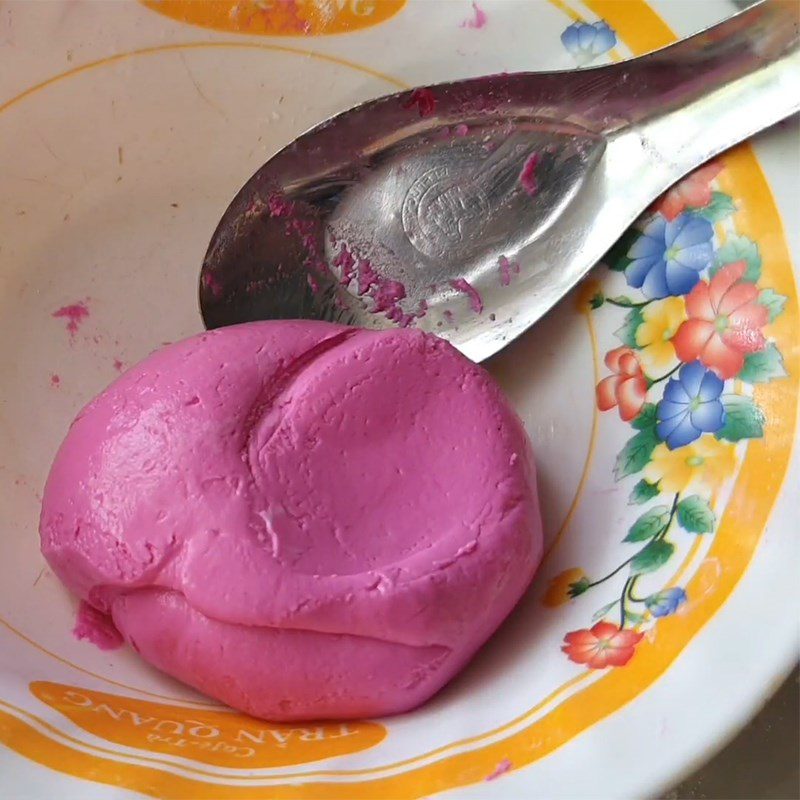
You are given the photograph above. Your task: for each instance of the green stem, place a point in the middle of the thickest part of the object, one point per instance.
(630, 592)
(660, 535)
(654, 381)
(610, 574)
(630, 304)
(663, 532)
(622, 611)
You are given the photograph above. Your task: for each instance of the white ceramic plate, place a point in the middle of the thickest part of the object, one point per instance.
(125, 128)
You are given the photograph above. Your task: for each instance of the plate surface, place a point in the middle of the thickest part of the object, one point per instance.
(126, 127)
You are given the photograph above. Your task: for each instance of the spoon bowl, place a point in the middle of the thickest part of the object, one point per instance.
(470, 208)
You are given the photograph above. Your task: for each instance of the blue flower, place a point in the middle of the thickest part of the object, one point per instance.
(669, 257)
(587, 41)
(691, 406)
(665, 602)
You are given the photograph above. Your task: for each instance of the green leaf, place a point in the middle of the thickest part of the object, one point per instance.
(653, 521)
(646, 418)
(721, 206)
(627, 333)
(597, 300)
(635, 454)
(763, 366)
(695, 515)
(617, 257)
(739, 248)
(773, 302)
(654, 556)
(601, 612)
(642, 492)
(743, 419)
(578, 587)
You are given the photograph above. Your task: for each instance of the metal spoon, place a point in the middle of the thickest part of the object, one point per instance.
(471, 208)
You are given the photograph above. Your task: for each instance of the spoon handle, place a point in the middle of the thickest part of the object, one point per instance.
(699, 97)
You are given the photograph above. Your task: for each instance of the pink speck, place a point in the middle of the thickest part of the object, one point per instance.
(424, 100)
(55, 381)
(528, 175)
(212, 284)
(367, 277)
(96, 627)
(312, 283)
(255, 208)
(346, 263)
(501, 769)
(479, 18)
(506, 269)
(279, 206)
(475, 299)
(75, 314)
(461, 130)
(448, 315)
(118, 365)
(388, 295)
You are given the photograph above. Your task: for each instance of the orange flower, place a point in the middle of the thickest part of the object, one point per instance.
(603, 645)
(627, 388)
(561, 589)
(725, 322)
(694, 191)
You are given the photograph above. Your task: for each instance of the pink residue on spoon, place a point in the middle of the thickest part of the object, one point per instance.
(212, 284)
(506, 269)
(346, 263)
(475, 299)
(75, 314)
(386, 294)
(96, 627)
(478, 20)
(424, 100)
(528, 175)
(279, 205)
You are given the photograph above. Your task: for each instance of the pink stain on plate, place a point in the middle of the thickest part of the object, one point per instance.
(501, 769)
(528, 175)
(96, 627)
(74, 314)
(55, 380)
(118, 365)
(465, 287)
(479, 18)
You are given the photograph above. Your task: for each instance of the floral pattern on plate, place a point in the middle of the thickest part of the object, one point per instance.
(586, 41)
(692, 343)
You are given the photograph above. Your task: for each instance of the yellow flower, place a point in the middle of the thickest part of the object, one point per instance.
(560, 589)
(661, 322)
(706, 462)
